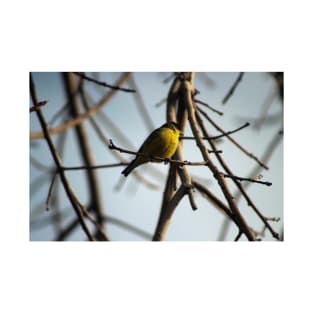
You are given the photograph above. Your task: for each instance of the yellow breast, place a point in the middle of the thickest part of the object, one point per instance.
(163, 143)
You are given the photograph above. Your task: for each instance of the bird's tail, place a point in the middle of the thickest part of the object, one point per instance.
(132, 165)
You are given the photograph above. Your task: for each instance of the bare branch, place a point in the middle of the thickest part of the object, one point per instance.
(208, 106)
(247, 179)
(155, 158)
(80, 118)
(40, 166)
(99, 227)
(71, 84)
(85, 77)
(233, 87)
(273, 144)
(249, 154)
(181, 108)
(50, 190)
(109, 219)
(238, 236)
(167, 79)
(37, 106)
(187, 94)
(106, 141)
(205, 192)
(220, 136)
(162, 101)
(170, 194)
(238, 184)
(58, 162)
(94, 167)
(191, 198)
(165, 220)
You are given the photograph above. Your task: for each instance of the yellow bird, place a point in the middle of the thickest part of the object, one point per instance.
(161, 143)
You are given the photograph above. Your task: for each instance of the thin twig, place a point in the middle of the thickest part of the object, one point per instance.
(220, 136)
(155, 158)
(129, 227)
(238, 236)
(162, 101)
(40, 166)
(279, 78)
(191, 198)
(103, 84)
(167, 79)
(94, 167)
(247, 179)
(37, 183)
(233, 87)
(56, 216)
(208, 106)
(271, 119)
(230, 132)
(268, 101)
(273, 219)
(37, 106)
(50, 190)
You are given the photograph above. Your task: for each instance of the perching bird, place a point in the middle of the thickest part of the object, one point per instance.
(161, 143)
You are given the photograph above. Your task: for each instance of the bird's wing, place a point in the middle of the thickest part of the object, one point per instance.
(148, 143)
